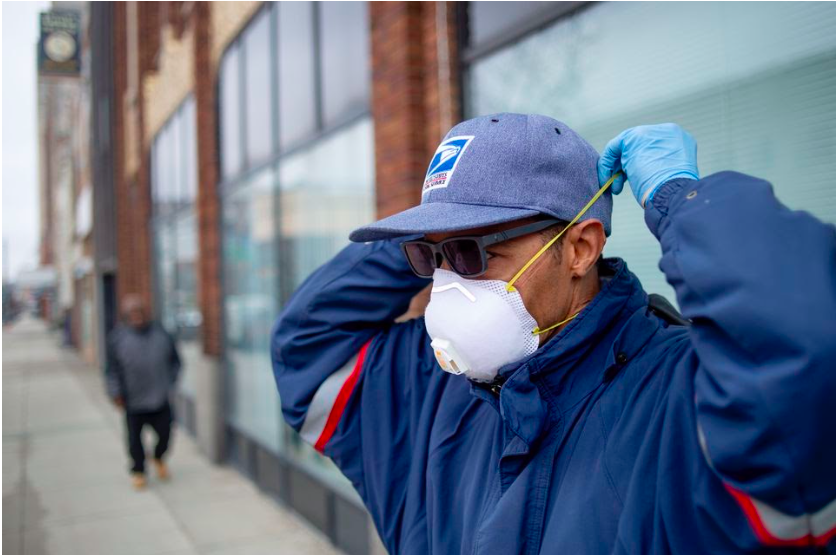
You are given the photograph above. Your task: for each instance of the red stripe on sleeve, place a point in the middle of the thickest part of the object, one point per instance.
(760, 529)
(341, 401)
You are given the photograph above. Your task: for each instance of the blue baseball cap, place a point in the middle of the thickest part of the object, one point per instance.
(500, 168)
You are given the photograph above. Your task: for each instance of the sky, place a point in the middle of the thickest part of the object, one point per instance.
(20, 145)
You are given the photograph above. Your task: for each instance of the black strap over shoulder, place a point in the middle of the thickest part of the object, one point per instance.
(662, 308)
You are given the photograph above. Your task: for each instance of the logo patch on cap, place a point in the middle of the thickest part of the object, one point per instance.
(444, 162)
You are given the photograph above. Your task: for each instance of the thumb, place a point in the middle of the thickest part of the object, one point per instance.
(610, 163)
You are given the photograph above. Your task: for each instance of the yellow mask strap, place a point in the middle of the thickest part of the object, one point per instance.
(510, 286)
(538, 331)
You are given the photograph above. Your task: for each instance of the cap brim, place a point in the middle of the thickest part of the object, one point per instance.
(438, 217)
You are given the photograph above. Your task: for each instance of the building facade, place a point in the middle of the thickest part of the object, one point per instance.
(235, 145)
(66, 187)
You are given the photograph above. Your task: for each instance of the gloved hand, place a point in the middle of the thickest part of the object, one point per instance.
(648, 157)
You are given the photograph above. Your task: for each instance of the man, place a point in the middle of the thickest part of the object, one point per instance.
(142, 369)
(586, 417)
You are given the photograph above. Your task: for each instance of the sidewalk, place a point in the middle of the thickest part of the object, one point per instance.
(66, 487)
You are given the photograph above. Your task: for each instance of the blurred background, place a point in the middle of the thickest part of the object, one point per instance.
(208, 156)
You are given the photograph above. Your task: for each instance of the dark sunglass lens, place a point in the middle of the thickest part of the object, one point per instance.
(464, 256)
(420, 258)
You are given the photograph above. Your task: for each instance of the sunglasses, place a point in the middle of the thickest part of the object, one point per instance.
(465, 255)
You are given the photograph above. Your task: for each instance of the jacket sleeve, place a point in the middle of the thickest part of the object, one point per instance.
(113, 369)
(758, 282)
(352, 382)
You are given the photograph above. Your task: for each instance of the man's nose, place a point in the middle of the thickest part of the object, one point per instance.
(441, 262)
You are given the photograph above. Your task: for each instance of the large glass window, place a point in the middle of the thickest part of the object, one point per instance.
(174, 224)
(754, 83)
(257, 90)
(326, 191)
(344, 29)
(489, 21)
(251, 303)
(230, 116)
(188, 192)
(291, 211)
(297, 73)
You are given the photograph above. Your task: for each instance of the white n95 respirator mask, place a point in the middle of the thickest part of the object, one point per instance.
(477, 326)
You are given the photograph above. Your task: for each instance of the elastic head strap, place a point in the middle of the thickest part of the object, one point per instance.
(510, 286)
(538, 331)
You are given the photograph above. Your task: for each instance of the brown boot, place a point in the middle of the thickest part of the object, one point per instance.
(138, 480)
(162, 470)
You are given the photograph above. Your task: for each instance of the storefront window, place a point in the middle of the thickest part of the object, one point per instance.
(346, 73)
(287, 215)
(488, 21)
(296, 69)
(326, 191)
(259, 104)
(166, 279)
(188, 190)
(251, 303)
(749, 87)
(230, 112)
(174, 224)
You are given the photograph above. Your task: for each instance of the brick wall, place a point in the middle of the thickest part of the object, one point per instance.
(413, 103)
(175, 57)
(208, 202)
(131, 172)
(414, 98)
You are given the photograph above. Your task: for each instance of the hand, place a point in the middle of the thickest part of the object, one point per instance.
(119, 401)
(648, 157)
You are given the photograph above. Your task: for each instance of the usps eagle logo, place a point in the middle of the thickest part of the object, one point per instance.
(444, 162)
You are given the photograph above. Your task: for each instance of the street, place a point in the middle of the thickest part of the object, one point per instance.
(66, 489)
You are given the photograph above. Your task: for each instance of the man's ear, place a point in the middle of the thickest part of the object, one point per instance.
(587, 240)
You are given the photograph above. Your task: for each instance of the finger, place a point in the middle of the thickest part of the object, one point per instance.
(618, 185)
(610, 163)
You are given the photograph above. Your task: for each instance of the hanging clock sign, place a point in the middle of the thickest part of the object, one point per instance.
(58, 52)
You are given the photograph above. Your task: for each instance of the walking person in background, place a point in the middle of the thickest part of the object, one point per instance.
(142, 368)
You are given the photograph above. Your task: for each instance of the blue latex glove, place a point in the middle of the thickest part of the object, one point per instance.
(648, 157)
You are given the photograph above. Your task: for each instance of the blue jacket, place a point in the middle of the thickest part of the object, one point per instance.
(622, 434)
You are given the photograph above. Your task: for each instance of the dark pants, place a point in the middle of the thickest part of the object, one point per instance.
(160, 420)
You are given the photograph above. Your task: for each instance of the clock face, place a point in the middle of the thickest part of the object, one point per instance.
(59, 46)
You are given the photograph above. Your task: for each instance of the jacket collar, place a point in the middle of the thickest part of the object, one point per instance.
(606, 334)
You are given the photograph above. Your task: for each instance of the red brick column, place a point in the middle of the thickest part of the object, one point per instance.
(132, 190)
(208, 201)
(409, 98)
(441, 72)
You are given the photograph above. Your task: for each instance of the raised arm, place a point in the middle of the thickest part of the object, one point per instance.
(351, 381)
(758, 282)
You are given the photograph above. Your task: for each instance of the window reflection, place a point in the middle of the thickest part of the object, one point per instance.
(230, 112)
(259, 104)
(175, 230)
(327, 191)
(743, 61)
(297, 96)
(251, 303)
(344, 32)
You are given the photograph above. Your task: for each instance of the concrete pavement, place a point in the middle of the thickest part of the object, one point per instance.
(66, 488)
